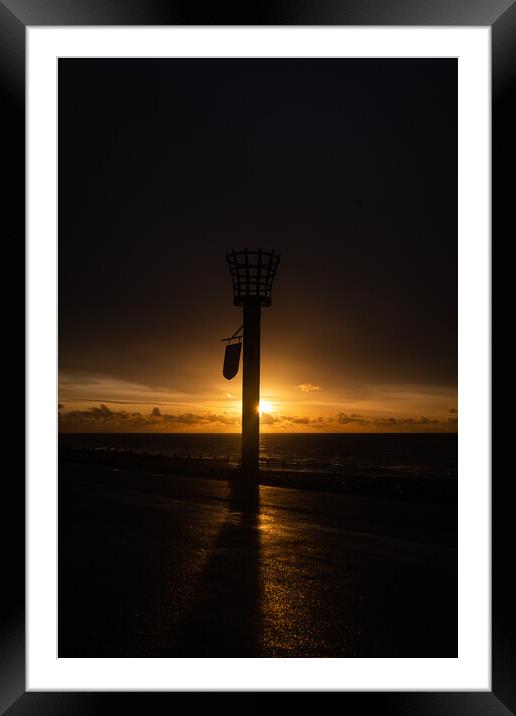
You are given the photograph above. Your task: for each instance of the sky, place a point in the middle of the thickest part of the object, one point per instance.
(346, 167)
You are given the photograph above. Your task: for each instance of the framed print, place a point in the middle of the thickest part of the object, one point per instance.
(258, 355)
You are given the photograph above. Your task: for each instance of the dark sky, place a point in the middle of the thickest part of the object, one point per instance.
(347, 167)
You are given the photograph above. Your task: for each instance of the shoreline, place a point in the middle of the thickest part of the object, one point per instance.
(398, 487)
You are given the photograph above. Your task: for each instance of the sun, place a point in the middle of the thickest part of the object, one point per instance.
(264, 407)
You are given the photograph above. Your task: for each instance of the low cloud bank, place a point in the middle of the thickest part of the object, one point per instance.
(101, 418)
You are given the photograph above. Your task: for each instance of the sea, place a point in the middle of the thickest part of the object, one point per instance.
(422, 455)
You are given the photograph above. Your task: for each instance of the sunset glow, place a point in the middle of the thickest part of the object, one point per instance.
(100, 403)
(265, 407)
(361, 334)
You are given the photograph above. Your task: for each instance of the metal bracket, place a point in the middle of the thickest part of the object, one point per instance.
(234, 336)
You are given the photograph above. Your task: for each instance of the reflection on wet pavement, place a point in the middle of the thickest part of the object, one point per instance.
(179, 568)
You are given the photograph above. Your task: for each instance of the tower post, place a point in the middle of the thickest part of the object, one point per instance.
(251, 388)
(252, 273)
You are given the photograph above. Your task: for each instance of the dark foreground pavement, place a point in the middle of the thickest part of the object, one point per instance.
(166, 566)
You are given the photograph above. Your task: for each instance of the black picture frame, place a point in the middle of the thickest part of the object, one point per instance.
(15, 17)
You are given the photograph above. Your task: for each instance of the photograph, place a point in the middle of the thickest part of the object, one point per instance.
(257, 377)
(257, 357)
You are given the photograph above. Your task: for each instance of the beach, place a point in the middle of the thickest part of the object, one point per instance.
(168, 565)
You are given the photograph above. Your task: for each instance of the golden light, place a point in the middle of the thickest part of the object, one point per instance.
(264, 407)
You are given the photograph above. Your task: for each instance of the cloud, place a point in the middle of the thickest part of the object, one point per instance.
(356, 418)
(405, 422)
(100, 418)
(78, 379)
(103, 418)
(308, 387)
(267, 419)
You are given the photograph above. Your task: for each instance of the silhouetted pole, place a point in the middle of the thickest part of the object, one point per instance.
(251, 388)
(252, 273)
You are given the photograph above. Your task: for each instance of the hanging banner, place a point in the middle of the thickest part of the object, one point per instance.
(231, 360)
